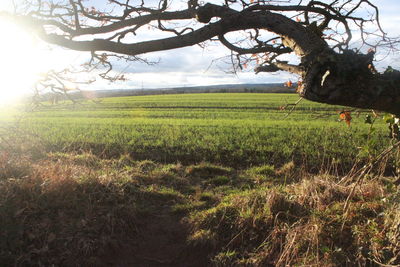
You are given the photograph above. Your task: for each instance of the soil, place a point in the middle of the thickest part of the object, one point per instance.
(162, 241)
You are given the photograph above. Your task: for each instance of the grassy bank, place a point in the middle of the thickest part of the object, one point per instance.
(78, 209)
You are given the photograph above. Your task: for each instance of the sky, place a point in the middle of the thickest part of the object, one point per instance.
(188, 66)
(200, 66)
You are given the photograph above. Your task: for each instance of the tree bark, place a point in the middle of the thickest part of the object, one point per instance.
(348, 79)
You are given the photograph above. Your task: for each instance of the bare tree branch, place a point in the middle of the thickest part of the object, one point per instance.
(318, 32)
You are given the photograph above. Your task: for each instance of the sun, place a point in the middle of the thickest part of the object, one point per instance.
(22, 60)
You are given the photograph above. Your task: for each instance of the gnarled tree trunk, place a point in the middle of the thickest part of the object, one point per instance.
(348, 79)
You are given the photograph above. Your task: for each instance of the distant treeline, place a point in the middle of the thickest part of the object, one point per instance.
(228, 88)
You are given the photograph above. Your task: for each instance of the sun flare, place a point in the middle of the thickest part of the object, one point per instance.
(23, 59)
(18, 62)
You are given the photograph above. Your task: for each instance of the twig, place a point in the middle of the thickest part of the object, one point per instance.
(361, 173)
(384, 265)
(293, 107)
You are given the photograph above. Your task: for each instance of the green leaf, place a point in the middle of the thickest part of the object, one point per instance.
(368, 119)
(388, 118)
(389, 69)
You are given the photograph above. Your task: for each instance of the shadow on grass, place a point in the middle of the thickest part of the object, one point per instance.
(64, 212)
(78, 209)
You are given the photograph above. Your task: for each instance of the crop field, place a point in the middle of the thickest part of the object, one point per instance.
(238, 130)
(195, 180)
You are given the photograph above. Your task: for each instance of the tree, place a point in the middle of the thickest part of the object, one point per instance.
(331, 70)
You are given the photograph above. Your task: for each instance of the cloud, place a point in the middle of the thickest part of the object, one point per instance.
(194, 65)
(191, 66)
(182, 79)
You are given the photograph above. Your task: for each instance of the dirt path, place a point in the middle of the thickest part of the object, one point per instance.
(162, 241)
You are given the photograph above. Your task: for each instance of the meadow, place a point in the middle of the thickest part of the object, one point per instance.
(238, 130)
(195, 180)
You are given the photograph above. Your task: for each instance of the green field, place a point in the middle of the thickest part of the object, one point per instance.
(195, 180)
(231, 129)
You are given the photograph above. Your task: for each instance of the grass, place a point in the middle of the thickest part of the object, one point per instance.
(237, 130)
(78, 209)
(299, 225)
(193, 180)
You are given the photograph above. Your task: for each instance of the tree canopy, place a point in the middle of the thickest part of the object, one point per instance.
(332, 69)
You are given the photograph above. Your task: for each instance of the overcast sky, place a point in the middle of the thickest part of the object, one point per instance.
(194, 65)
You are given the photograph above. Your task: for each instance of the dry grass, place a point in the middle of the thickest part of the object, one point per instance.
(300, 225)
(63, 214)
(76, 209)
